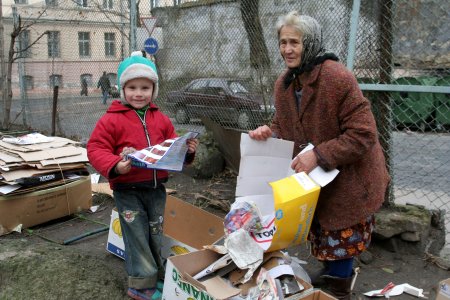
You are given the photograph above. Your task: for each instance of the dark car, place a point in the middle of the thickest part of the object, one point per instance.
(221, 99)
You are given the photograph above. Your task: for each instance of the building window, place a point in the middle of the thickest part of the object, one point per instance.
(24, 40)
(110, 44)
(21, 1)
(84, 44)
(55, 80)
(108, 4)
(51, 3)
(82, 3)
(28, 82)
(53, 44)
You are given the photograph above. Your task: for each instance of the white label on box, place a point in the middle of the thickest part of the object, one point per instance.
(304, 181)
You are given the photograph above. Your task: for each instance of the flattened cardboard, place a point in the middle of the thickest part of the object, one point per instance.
(51, 153)
(444, 290)
(65, 160)
(186, 228)
(41, 206)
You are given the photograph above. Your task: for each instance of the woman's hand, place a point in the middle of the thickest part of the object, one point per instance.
(261, 133)
(304, 162)
(192, 145)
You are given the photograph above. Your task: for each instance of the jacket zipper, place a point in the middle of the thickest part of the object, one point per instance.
(147, 135)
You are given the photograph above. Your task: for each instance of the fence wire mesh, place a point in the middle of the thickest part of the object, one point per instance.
(220, 59)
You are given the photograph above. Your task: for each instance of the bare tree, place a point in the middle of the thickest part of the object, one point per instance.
(15, 53)
(259, 55)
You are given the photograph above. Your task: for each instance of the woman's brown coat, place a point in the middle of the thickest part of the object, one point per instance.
(336, 118)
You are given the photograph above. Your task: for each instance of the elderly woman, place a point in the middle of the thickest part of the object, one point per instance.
(318, 101)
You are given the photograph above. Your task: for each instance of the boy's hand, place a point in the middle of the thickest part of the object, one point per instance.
(192, 145)
(126, 151)
(123, 167)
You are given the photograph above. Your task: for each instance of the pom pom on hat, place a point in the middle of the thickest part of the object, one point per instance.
(137, 66)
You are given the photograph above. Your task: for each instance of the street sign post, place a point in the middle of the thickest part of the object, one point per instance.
(151, 46)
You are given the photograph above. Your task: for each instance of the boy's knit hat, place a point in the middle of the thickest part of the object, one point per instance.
(137, 66)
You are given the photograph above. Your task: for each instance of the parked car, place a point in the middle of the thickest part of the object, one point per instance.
(224, 100)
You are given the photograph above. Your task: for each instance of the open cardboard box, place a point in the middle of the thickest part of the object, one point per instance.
(41, 206)
(186, 228)
(444, 290)
(180, 284)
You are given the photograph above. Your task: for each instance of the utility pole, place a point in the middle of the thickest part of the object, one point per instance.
(133, 24)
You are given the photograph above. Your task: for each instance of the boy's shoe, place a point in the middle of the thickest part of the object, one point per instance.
(144, 294)
(160, 285)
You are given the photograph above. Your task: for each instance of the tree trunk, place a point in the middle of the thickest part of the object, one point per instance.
(259, 55)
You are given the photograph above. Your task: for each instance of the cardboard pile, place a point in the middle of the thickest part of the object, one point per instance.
(273, 211)
(236, 264)
(41, 178)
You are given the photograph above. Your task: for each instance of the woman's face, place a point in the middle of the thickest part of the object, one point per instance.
(291, 46)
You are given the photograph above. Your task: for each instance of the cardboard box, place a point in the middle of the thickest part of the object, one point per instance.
(180, 284)
(186, 228)
(38, 207)
(444, 290)
(295, 200)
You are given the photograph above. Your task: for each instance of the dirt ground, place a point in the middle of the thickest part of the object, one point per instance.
(36, 265)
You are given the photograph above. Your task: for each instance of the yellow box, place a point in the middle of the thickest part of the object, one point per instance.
(287, 214)
(295, 200)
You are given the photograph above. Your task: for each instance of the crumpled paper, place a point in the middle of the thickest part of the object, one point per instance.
(244, 251)
(398, 290)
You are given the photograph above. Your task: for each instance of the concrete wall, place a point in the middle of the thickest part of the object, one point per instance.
(210, 40)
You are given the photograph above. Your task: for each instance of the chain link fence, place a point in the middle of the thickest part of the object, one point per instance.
(220, 59)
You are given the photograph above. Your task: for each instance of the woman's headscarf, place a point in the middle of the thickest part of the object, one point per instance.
(313, 52)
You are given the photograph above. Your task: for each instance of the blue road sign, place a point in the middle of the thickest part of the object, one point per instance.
(151, 46)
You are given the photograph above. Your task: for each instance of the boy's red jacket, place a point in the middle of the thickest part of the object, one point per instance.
(121, 127)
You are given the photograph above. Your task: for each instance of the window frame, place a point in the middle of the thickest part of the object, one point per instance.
(84, 44)
(110, 44)
(53, 44)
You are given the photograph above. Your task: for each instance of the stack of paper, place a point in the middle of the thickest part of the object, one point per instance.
(34, 161)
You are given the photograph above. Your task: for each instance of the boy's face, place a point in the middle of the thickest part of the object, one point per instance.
(138, 92)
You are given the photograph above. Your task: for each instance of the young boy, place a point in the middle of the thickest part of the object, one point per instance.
(139, 194)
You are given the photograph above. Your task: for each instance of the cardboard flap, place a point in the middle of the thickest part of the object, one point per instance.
(219, 289)
(194, 262)
(191, 225)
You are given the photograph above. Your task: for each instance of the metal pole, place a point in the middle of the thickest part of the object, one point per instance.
(353, 31)
(133, 23)
(122, 32)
